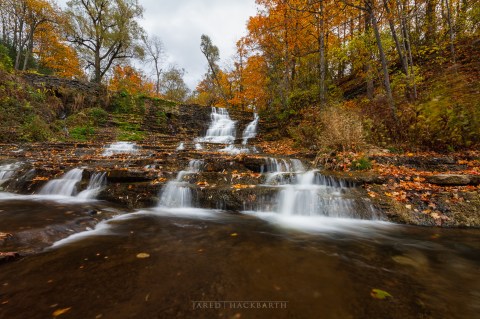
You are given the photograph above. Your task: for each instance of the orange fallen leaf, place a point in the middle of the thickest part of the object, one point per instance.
(59, 312)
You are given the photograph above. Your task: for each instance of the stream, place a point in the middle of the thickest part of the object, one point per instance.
(208, 255)
(312, 250)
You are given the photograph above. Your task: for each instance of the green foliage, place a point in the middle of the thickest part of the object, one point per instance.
(125, 103)
(301, 99)
(78, 119)
(131, 136)
(161, 117)
(37, 95)
(362, 164)
(6, 63)
(130, 131)
(81, 133)
(98, 116)
(448, 119)
(36, 130)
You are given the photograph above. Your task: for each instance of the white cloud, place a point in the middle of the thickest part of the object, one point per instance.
(180, 23)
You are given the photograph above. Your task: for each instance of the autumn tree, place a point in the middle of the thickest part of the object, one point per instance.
(173, 86)
(128, 79)
(22, 22)
(104, 31)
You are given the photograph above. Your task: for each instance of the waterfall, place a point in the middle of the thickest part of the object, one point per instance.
(177, 193)
(65, 186)
(96, 184)
(7, 171)
(313, 194)
(251, 130)
(279, 171)
(180, 147)
(121, 148)
(221, 129)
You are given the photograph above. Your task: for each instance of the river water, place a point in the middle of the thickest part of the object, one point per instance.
(159, 263)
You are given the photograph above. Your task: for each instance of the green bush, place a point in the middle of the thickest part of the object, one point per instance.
(77, 120)
(98, 116)
(361, 164)
(6, 63)
(36, 130)
(124, 103)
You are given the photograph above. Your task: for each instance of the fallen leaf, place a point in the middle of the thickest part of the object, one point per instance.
(59, 312)
(380, 294)
(143, 255)
(234, 234)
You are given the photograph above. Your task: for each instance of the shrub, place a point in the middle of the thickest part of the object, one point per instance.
(5, 60)
(36, 130)
(361, 164)
(340, 129)
(98, 116)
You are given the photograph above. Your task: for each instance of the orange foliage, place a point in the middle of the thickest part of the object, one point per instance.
(132, 81)
(57, 56)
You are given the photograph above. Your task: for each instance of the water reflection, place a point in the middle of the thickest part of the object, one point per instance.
(325, 268)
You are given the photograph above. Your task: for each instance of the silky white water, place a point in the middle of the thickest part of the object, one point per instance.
(7, 171)
(221, 129)
(65, 185)
(177, 193)
(280, 171)
(251, 130)
(309, 193)
(97, 182)
(120, 148)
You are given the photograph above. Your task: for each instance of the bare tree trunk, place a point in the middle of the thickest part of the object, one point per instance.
(403, 60)
(450, 28)
(321, 44)
(383, 60)
(407, 45)
(29, 49)
(431, 21)
(368, 67)
(19, 45)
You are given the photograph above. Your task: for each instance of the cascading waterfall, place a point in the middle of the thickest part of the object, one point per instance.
(120, 148)
(280, 171)
(97, 182)
(249, 132)
(180, 147)
(177, 193)
(64, 186)
(221, 129)
(312, 194)
(7, 171)
(251, 129)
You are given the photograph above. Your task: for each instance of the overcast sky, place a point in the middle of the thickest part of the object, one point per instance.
(180, 23)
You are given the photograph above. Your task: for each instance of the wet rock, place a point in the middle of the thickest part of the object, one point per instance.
(446, 163)
(358, 177)
(92, 212)
(129, 176)
(8, 257)
(449, 179)
(255, 164)
(132, 195)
